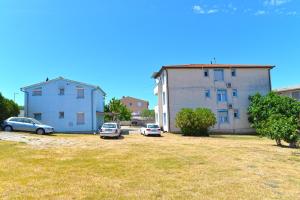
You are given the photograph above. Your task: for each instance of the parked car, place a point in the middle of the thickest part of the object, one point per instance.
(110, 129)
(150, 129)
(26, 124)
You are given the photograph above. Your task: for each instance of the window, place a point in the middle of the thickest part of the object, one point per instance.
(207, 93)
(296, 95)
(61, 115)
(80, 93)
(233, 72)
(206, 73)
(26, 120)
(236, 113)
(80, 118)
(130, 104)
(234, 93)
(164, 98)
(222, 95)
(223, 116)
(139, 104)
(37, 92)
(219, 74)
(165, 119)
(37, 116)
(61, 91)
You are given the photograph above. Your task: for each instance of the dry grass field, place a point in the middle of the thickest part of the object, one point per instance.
(138, 167)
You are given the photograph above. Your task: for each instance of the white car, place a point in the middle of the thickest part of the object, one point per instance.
(110, 129)
(150, 129)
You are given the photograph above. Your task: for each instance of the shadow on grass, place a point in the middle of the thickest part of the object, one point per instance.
(113, 138)
(159, 136)
(284, 146)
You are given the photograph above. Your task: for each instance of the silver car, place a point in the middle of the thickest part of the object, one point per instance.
(26, 124)
(111, 129)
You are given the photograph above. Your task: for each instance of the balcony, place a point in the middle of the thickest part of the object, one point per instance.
(155, 91)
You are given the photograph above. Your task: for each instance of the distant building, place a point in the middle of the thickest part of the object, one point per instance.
(293, 92)
(67, 105)
(21, 114)
(223, 88)
(136, 106)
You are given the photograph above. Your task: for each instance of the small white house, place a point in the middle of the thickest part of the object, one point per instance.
(67, 105)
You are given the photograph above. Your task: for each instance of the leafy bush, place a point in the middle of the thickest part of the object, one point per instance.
(276, 117)
(121, 112)
(195, 122)
(8, 108)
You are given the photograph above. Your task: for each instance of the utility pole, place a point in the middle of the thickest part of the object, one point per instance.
(15, 93)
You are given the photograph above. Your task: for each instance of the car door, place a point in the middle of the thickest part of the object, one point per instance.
(28, 125)
(16, 123)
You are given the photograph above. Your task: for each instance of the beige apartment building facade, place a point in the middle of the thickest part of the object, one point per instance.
(136, 106)
(293, 92)
(225, 89)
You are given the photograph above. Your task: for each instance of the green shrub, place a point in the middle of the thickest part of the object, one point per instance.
(8, 108)
(195, 122)
(276, 117)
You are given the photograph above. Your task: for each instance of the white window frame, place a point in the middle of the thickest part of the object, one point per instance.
(37, 118)
(223, 95)
(207, 93)
(221, 119)
(61, 115)
(233, 72)
(164, 98)
(236, 113)
(37, 92)
(61, 91)
(80, 121)
(206, 71)
(234, 92)
(216, 75)
(80, 95)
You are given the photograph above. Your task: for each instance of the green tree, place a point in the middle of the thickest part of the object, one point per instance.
(195, 122)
(8, 108)
(148, 113)
(121, 112)
(276, 117)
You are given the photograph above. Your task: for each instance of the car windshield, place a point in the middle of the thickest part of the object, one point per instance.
(153, 126)
(109, 126)
(35, 121)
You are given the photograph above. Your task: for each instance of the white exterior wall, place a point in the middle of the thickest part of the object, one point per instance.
(186, 89)
(51, 103)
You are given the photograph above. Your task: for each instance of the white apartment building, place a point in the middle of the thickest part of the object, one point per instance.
(67, 105)
(223, 88)
(293, 92)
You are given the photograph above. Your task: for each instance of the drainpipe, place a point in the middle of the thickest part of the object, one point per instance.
(92, 107)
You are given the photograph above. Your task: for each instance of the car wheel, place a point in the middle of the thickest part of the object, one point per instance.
(8, 128)
(40, 131)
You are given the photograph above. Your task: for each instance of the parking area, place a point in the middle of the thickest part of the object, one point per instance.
(59, 139)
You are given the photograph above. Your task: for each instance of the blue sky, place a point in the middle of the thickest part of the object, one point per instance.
(117, 44)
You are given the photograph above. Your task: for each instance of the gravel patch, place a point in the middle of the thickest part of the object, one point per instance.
(37, 141)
